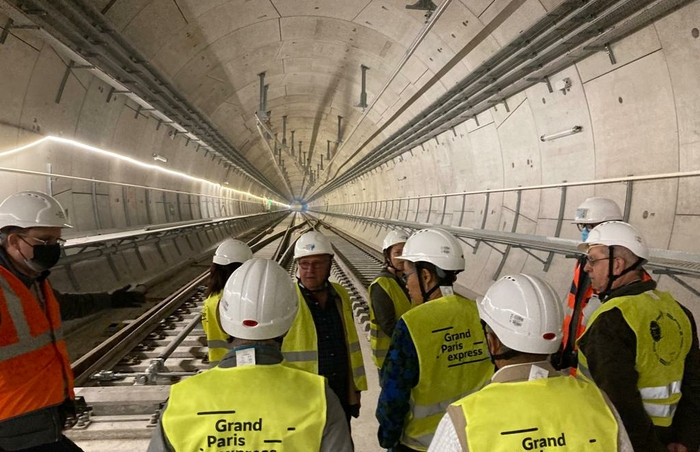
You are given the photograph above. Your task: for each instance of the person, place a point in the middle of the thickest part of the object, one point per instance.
(323, 339)
(640, 346)
(581, 300)
(36, 380)
(521, 408)
(437, 353)
(252, 400)
(388, 297)
(227, 258)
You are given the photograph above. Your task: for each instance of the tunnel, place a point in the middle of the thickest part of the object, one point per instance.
(162, 126)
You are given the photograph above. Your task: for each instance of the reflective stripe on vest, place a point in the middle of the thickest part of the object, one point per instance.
(576, 325)
(453, 361)
(217, 339)
(300, 345)
(34, 366)
(538, 421)
(379, 341)
(664, 337)
(26, 343)
(288, 413)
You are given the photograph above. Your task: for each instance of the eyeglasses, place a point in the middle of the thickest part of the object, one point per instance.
(582, 226)
(405, 276)
(313, 265)
(592, 262)
(58, 241)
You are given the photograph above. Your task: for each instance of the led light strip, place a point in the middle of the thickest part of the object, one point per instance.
(133, 161)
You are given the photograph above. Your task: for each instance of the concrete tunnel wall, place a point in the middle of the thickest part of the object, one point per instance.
(32, 107)
(640, 116)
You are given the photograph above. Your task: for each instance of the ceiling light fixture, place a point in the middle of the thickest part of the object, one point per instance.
(563, 133)
(133, 161)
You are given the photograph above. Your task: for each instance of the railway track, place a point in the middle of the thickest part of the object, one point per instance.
(126, 379)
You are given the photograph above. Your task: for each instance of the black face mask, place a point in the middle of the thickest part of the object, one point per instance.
(45, 257)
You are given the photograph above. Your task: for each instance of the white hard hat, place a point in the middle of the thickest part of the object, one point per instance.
(312, 243)
(618, 233)
(525, 313)
(436, 246)
(597, 210)
(392, 238)
(30, 209)
(259, 301)
(232, 251)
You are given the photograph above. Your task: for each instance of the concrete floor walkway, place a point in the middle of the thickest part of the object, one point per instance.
(364, 428)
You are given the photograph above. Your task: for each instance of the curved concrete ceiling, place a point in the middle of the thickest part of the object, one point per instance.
(311, 53)
(457, 102)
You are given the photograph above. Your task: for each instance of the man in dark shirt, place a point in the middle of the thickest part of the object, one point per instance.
(323, 338)
(640, 345)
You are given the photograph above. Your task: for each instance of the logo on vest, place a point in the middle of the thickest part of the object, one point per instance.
(530, 443)
(667, 338)
(235, 438)
(459, 347)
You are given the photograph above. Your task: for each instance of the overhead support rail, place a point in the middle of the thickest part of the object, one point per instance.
(448, 209)
(571, 32)
(94, 42)
(667, 261)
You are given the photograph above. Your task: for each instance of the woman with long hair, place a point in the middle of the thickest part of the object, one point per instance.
(227, 258)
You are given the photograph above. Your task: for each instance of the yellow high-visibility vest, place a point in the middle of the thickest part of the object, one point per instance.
(255, 407)
(664, 337)
(454, 362)
(217, 339)
(300, 345)
(536, 415)
(379, 341)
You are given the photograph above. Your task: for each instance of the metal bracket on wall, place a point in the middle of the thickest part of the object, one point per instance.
(544, 80)
(9, 25)
(544, 261)
(605, 48)
(483, 219)
(557, 231)
(628, 201)
(444, 209)
(95, 210)
(513, 229)
(113, 91)
(69, 68)
(672, 275)
(463, 240)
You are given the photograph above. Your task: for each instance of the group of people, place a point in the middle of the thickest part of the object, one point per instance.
(619, 371)
(508, 371)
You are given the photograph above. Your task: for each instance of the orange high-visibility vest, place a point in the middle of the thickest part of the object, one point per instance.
(577, 317)
(34, 366)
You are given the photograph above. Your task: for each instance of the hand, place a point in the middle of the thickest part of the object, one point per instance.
(128, 296)
(677, 447)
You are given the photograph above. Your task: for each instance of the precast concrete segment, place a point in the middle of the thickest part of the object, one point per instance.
(84, 29)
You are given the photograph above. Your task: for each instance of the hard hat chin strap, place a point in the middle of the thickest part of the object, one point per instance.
(611, 278)
(441, 276)
(387, 259)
